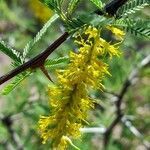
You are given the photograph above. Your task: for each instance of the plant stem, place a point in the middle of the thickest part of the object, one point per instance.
(35, 62)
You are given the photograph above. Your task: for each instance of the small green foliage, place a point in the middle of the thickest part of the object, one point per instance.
(132, 7)
(98, 3)
(16, 81)
(54, 5)
(13, 54)
(139, 27)
(56, 63)
(38, 36)
(72, 6)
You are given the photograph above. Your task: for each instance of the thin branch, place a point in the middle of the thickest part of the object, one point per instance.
(93, 130)
(135, 131)
(112, 7)
(37, 61)
(8, 122)
(128, 82)
(110, 128)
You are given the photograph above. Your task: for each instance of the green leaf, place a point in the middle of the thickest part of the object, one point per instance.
(39, 35)
(135, 27)
(74, 24)
(49, 3)
(17, 80)
(132, 7)
(53, 4)
(98, 3)
(56, 63)
(13, 54)
(72, 6)
(139, 31)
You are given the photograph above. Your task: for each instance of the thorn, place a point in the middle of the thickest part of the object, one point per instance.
(43, 69)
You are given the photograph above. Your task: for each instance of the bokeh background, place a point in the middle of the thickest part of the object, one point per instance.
(20, 110)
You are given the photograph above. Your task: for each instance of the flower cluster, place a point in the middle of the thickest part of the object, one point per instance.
(69, 98)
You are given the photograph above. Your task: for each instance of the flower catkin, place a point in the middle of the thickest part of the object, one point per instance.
(69, 98)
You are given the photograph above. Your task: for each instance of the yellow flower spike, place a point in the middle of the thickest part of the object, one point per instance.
(69, 98)
(112, 50)
(44, 122)
(92, 32)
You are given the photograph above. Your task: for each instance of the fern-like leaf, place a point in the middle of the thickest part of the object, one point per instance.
(17, 80)
(139, 31)
(53, 4)
(49, 3)
(72, 6)
(39, 35)
(131, 7)
(98, 3)
(56, 63)
(13, 54)
(135, 27)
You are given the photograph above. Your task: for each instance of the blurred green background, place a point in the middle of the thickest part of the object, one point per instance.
(19, 23)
